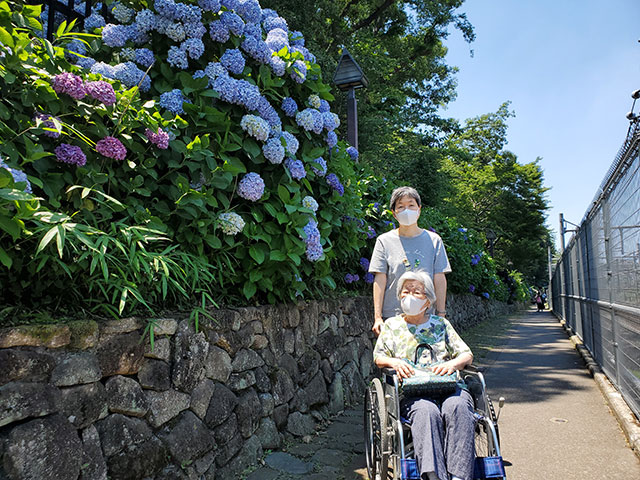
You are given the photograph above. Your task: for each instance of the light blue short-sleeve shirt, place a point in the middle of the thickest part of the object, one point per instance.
(394, 255)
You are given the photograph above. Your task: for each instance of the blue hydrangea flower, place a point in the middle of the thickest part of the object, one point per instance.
(255, 126)
(162, 23)
(266, 111)
(329, 121)
(268, 13)
(177, 57)
(230, 223)
(291, 143)
(189, 13)
(319, 167)
(199, 74)
(485, 295)
(310, 203)
(115, 35)
(103, 69)
(136, 36)
(256, 48)
(296, 168)
(127, 54)
(371, 233)
(122, 13)
(144, 57)
(273, 150)
(173, 101)
(194, 47)
(129, 74)
(475, 259)
(275, 22)
(210, 5)
(289, 106)
(277, 39)
(233, 22)
(249, 10)
(94, 21)
(167, 8)
(299, 71)
(353, 153)
(229, 4)
(368, 277)
(248, 95)
(297, 39)
(175, 32)
(332, 139)
(318, 121)
(277, 66)
(314, 101)
(351, 278)
(86, 62)
(314, 252)
(305, 119)
(195, 29)
(472, 288)
(214, 70)
(251, 187)
(227, 87)
(324, 106)
(218, 31)
(233, 60)
(18, 176)
(364, 263)
(334, 182)
(145, 20)
(311, 232)
(496, 282)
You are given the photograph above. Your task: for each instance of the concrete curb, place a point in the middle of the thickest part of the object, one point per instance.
(626, 419)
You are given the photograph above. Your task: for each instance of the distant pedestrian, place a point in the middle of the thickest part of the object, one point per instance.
(539, 302)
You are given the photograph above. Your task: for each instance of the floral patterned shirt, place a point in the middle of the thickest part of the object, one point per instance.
(400, 339)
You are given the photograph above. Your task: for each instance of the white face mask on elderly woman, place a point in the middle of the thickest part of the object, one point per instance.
(412, 305)
(407, 216)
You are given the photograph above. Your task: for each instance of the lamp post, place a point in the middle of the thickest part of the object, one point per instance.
(491, 238)
(348, 77)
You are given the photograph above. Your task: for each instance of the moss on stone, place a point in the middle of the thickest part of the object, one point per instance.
(84, 333)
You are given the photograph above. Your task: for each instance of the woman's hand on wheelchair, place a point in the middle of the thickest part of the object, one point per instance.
(402, 368)
(445, 368)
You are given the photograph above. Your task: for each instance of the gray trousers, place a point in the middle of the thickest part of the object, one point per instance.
(442, 432)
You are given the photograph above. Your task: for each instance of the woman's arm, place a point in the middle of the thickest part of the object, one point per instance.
(440, 284)
(402, 368)
(454, 364)
(379, 286)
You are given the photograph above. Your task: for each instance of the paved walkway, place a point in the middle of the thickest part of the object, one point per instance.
(555, 425)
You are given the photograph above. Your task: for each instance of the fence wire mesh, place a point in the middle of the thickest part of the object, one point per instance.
(595, 285)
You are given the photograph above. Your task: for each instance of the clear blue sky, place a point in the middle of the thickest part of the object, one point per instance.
(569, 68)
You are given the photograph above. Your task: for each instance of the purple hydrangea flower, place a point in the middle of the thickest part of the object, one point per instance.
(101, 91)
(70, 84)
(47, 122)
(173, 101)
(273, 150)
(296, 169)
(351, 278)
(369, 277)
(160, 139)
(320, 169)
(111, 147)
(70, 154)
(233, 61)
(472, 288)
(334, 182)
(364, 263)
(289, 106)
(353, 153)
(115, 35)
(251, 187)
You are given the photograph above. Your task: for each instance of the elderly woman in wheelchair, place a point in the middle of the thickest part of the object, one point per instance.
(423, 418)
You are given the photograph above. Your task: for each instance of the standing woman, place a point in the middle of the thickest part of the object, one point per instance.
(407, 248)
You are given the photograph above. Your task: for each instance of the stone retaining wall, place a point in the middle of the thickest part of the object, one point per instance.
(93, 401)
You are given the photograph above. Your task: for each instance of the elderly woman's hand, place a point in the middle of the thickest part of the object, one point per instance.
(445, 368)
(402, 368)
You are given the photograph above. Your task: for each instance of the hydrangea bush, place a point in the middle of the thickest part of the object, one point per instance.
(207, 122)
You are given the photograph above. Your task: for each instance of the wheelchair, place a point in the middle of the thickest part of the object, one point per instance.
(388, 443)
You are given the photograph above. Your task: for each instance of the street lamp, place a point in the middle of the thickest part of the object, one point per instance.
(348, 77)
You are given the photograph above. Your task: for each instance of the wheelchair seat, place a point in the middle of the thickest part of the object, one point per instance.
(388, 443)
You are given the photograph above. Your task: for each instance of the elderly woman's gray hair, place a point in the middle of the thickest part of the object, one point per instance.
(423, 278)
(401, 192)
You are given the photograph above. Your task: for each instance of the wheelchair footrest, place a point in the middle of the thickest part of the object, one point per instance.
(409, 468)
(488, 467)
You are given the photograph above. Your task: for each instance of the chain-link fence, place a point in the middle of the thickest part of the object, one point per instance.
(595, 286)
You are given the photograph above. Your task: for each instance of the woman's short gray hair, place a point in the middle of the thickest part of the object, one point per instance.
(422, 277)
(400, 192)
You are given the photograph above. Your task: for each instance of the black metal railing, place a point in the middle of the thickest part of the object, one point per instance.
(68, 10)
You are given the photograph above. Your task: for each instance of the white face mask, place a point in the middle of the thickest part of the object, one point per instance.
(408, 217)
(412, 305)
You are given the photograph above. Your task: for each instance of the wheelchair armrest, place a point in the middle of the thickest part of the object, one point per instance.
(389, 371)
(474, 369)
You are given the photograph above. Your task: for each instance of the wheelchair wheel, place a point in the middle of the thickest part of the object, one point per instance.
(375, 423)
